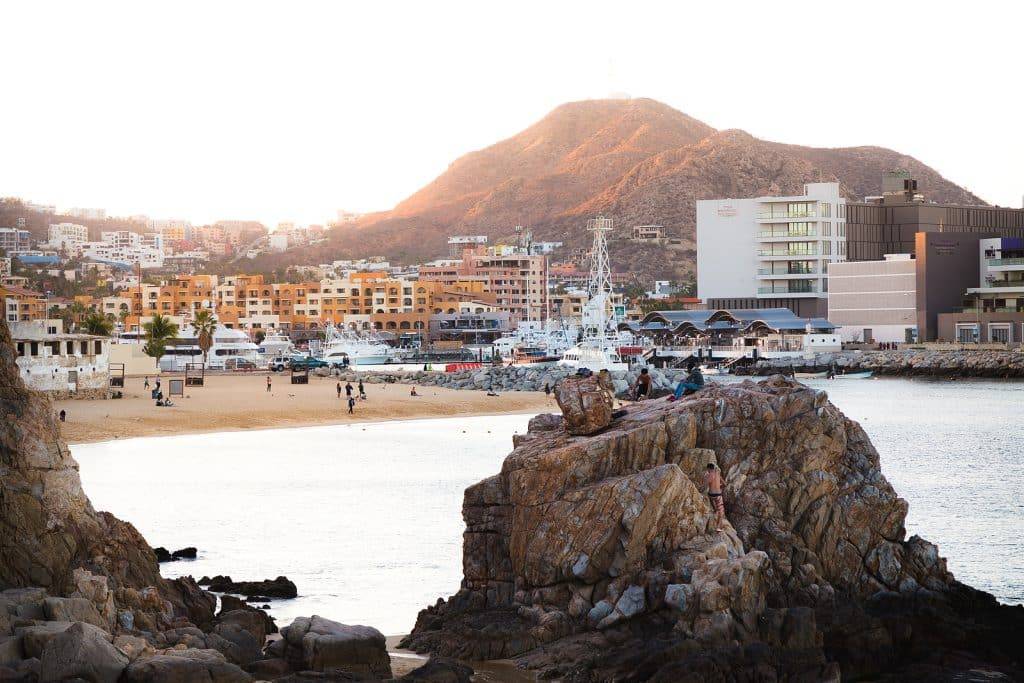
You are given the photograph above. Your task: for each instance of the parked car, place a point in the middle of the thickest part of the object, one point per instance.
(279, 363)
(239, 364)
(307, 363)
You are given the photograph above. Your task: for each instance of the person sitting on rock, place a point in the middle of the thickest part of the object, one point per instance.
(713, 479)
(693, 383)
(643, 385)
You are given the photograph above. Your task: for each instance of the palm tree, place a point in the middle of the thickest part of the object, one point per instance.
(158, 331)
(98, 324)
(204, 324)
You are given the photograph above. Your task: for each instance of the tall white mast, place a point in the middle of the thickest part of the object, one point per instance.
(599, 286)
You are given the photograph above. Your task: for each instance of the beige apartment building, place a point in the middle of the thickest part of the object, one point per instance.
(874, 301)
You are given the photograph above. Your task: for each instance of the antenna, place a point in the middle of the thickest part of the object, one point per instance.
(599, 286)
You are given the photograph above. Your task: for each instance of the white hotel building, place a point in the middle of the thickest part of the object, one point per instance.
(771, 252)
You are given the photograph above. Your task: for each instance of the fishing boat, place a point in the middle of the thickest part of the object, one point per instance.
(865, 374)
(276, 343)
(811, 375)
(348, 348)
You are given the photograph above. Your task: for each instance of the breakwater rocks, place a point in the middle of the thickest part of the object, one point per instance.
(596, 557)
(902, 362)
(505, 378)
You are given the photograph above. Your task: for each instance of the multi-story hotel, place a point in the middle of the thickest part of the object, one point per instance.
(888, 224)
(874, 301)
(993, 311)
(771, 252)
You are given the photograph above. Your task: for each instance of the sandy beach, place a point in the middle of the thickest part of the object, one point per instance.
(234, 402)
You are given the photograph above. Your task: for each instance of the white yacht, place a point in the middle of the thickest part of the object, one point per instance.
(348, 348)
(227, 344)
(276, 343)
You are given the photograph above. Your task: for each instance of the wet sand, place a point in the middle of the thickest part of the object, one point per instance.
(235, 402)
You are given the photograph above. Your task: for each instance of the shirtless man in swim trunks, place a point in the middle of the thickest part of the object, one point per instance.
(713, 478)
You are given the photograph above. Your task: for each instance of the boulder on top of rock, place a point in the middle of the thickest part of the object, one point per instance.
(163, 555)
(586, 406)
(74, 609)
(184, 666)
(319, 644)
(188, 553)
(82, 651)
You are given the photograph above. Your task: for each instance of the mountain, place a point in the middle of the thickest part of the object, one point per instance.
(636, 160)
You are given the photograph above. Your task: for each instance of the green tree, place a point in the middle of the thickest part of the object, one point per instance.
(158, 330)
(98, 324)
(204, 324)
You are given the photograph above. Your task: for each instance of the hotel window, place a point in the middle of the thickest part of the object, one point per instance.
(826, 248)
(826, 229)
(999, 333)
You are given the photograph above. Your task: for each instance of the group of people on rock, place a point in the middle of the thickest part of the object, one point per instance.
(692, 383)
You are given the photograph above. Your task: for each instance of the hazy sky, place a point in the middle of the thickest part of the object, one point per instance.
(289, 111)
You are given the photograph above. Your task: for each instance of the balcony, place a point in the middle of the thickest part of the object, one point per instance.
(787, 253)
(785, 216)
(788, 290)
(768, 234)
(996, 262)
(767, 274)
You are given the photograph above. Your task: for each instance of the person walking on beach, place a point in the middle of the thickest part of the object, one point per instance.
(547, 389)
(339, 389)
(63, 415)
(145, 383)
(268, 384)
(362, 391)
(348, 389)
(351, 404)
(713, 479)
(158, 384)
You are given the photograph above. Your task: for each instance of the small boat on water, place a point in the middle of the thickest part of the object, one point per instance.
(866, 374)
(811, 375)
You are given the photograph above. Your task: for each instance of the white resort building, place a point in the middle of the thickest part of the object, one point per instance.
(771, 252)
(62, 365)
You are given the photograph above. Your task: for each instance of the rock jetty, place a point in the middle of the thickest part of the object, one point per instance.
(505, 378)
(902, 362)
(81, 596)
(592, 558)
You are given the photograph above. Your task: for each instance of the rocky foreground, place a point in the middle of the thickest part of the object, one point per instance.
(902, 362)
(82, 599)
(594, 557)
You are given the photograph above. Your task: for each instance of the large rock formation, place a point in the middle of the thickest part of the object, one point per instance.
(602, 550)
(50, 535)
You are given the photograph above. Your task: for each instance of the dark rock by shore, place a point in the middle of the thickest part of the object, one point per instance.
(595, 557)
(164, 555)
(255, 591)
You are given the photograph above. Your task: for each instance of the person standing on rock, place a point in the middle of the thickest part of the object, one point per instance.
(643, 385)
(713, 478)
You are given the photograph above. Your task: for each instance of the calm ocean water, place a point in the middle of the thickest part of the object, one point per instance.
(366, 519)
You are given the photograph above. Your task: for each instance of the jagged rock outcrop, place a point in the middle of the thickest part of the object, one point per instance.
(602, 550)
(50, 535)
